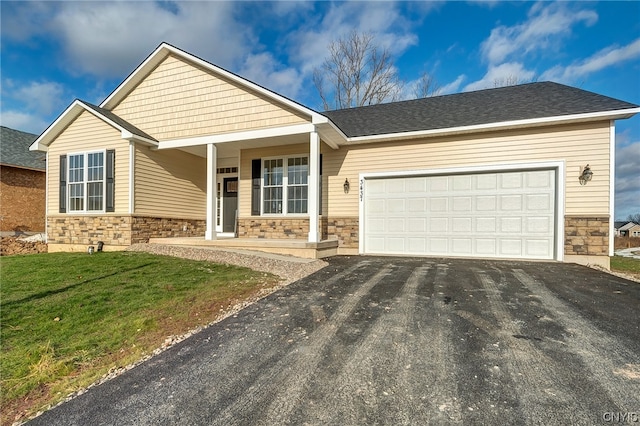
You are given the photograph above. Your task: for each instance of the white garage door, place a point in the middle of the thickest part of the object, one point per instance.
(503, 214)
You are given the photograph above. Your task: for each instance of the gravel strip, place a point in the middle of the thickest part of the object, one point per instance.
(288, 268)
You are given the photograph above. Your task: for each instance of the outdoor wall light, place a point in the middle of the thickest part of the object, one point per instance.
(346, 186)
(586, 175)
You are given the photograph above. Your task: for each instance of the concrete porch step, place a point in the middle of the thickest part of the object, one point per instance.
(299, 248)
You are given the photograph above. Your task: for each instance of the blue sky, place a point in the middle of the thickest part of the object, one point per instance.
(54, 52)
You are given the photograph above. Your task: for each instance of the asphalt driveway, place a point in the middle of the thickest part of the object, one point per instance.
(384, 340)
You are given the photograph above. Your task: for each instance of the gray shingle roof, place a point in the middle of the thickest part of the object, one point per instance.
(14, 149)
(521, 102)
(119, 121)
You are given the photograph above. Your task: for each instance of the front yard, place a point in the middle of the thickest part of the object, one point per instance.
(67, 319)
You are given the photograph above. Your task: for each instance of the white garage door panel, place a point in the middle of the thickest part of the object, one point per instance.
(507, 214)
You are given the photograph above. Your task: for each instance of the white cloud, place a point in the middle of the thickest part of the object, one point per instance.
(265, 70)
(610, 56)
(454, 86)
(546, 23)
(108, 39)
(308, 44)
(498, 75)
(42, 97)
(24, 122)
(627, 185)
(23, 20)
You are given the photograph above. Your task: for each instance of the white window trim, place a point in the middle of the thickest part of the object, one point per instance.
(85, 176)
(285, 182)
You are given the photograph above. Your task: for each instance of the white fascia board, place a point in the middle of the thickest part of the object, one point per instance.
(165, 49)
(331, 134)
(43, 141)
(125, 134)
(135, 77)
(238, 136)
(247, 83)
(604, 115)
(38, 147)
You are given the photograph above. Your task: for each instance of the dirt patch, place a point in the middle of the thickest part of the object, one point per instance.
(626, 242)
(12, 245)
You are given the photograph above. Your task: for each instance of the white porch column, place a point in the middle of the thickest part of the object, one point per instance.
(210, 233)
(314, 176)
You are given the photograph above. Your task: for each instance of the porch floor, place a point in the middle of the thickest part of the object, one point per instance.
(298, 248)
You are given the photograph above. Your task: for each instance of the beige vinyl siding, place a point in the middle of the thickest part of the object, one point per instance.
(577, 145)
(170, 183)
(179, 100)
(89, 133)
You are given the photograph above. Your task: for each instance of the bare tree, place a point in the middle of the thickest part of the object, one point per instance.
(634, 218)
(426, 86)
(511, 80)
(356, 72)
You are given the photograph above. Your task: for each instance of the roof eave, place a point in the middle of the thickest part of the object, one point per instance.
(545, 121)
(17, 166)
(69, 115)
(125, 134)
(165, 49)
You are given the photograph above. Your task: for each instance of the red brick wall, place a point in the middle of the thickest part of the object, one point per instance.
(22, 200)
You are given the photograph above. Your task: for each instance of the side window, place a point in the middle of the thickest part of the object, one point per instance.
(87, 182)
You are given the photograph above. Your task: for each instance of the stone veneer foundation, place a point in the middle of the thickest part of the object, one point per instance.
(275, 228)
(586, 235)
(345, 229)
(144, 227)
(118, 230)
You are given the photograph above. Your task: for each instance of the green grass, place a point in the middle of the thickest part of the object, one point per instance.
(67, 318)
(625, 264)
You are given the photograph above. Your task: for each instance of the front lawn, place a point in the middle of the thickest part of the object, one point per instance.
(67, 318)
(626, 265)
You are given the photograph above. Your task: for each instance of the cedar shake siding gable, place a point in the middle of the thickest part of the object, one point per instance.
(179, 99)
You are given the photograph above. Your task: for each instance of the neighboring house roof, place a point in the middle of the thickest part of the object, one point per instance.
(14, 150)
(628, 226)
(505, 104)
(127, 130)
(619, 224)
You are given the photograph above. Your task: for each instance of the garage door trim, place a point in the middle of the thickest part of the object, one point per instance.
(558, 166)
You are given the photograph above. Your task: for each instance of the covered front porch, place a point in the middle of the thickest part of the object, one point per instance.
(263, 190)
(291, 247)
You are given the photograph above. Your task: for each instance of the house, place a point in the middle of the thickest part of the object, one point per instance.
(22, 184)
(627, 229)
(183, 148)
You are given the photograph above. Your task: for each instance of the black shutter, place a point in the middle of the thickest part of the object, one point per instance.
(256, 168)
(63, 184)
(110, 193)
